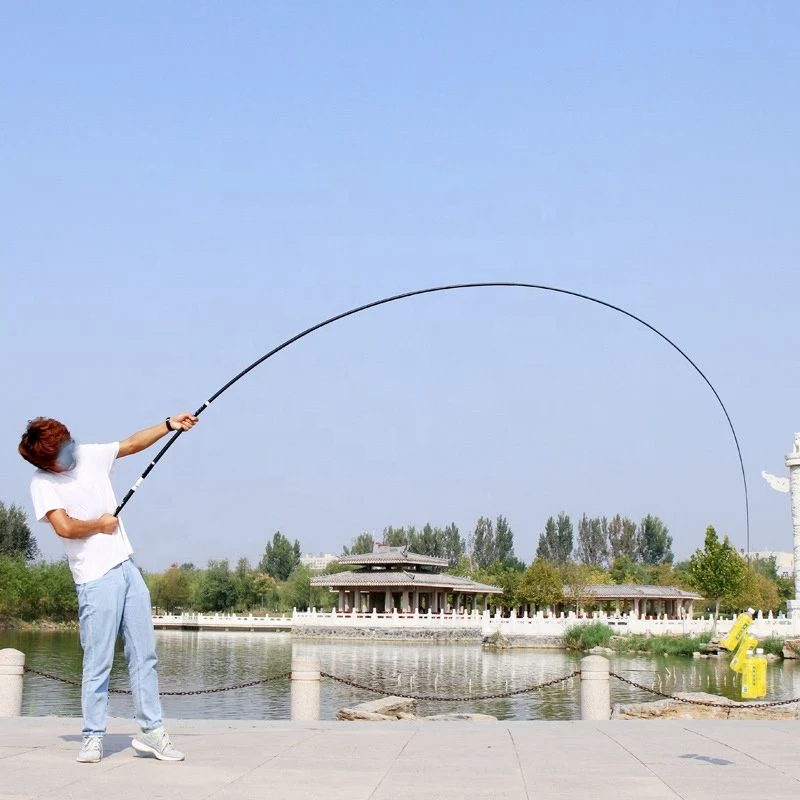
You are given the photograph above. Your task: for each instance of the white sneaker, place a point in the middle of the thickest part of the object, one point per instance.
(157, 743)
(91, 750)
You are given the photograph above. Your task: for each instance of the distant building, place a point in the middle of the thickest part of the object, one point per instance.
(318, 562)
(784, 562)
(392, 578)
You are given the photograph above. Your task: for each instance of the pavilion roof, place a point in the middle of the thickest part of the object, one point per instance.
(391, 556)
(628, 591)
(403, 579)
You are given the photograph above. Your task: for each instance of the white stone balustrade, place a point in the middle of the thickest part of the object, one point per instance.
(538, 624)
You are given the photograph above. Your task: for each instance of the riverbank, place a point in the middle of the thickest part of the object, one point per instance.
(37, 626)
(234, 760)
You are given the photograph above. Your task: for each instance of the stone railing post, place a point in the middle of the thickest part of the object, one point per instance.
(595, 689)
(12, 666)
(305, 689)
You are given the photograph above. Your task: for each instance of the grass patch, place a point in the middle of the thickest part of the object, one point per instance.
(585, 637)
(660, 645)
(773, 645)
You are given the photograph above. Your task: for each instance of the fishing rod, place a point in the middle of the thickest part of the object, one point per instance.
(435, 290)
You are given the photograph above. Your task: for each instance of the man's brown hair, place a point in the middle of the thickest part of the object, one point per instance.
(41, 441)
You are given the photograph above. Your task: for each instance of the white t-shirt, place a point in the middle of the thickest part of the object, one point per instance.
(85, 492)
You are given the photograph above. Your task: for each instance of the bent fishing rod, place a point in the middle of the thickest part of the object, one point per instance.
(448, 288)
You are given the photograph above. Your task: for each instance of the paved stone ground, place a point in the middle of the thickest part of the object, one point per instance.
(227, 760)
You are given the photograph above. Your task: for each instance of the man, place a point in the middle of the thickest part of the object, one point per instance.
(71, 490)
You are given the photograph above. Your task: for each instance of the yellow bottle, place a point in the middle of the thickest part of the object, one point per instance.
(750, 677)
(746, 645)
(761, 673)
(743, 622)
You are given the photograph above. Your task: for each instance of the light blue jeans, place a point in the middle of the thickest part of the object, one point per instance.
(118, 604)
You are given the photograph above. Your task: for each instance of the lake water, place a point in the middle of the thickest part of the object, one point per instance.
(195, 660)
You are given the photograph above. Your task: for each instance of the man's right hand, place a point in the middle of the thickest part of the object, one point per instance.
(108, 523)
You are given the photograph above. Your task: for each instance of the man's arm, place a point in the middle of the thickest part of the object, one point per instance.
(68, 527)
(141, 440)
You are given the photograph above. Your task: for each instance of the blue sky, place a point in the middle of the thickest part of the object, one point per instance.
(186, 185)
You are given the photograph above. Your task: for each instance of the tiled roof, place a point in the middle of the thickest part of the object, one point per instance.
(402, 579)
(391, 556)
(627, 591)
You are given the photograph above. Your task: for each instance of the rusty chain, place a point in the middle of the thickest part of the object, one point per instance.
(186, 693)
(444, 698)
(692, 702)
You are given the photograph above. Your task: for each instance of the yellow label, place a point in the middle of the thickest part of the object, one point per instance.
(731, 641)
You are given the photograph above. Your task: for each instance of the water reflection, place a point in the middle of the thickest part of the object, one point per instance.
(194, 660)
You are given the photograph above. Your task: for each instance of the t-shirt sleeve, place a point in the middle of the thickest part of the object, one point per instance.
(45, 498)
(104, 455)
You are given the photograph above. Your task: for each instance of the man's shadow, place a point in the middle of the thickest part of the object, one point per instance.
(112, 742)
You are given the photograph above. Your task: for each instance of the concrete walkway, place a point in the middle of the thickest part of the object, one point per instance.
(619, 760)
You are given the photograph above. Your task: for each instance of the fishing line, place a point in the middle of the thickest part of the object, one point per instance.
(452, 287)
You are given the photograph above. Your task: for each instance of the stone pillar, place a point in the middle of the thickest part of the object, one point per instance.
(387, 602)
(636, 607)
(446, 603)
(404, 601)
(12, 666)
(793, 463)
(356, 600)
(305, 689)
(595, 688)
(341, 600)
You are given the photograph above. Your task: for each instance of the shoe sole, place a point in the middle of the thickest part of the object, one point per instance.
(145, 748)
(88, 760)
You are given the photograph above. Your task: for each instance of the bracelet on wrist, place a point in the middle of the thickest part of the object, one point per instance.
(169, 426)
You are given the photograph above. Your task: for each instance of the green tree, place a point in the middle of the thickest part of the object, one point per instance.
(577, 581)
(507, 579)
(622, 538)
(625, 570)
(503, 541)
(280, 557)
(592, 547)
(397, 537)
(454, 546)
(244, 581)
(655, 543)
(297, 592)
(363, 543)
(757, 591)
(267, 590)
(483, 543)
(36, 591)
(172, 590)
(547, 548)
(541, 585)
(555, 544)
(717, 571)
(217, 589)
(16, 538)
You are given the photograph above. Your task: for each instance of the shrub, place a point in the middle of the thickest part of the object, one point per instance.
(773, 645)
(586, 636)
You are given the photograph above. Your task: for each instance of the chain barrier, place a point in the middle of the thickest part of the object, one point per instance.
(693, 702)
(185, 693)
(337, 679)
(429, 697)
(446, 699)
